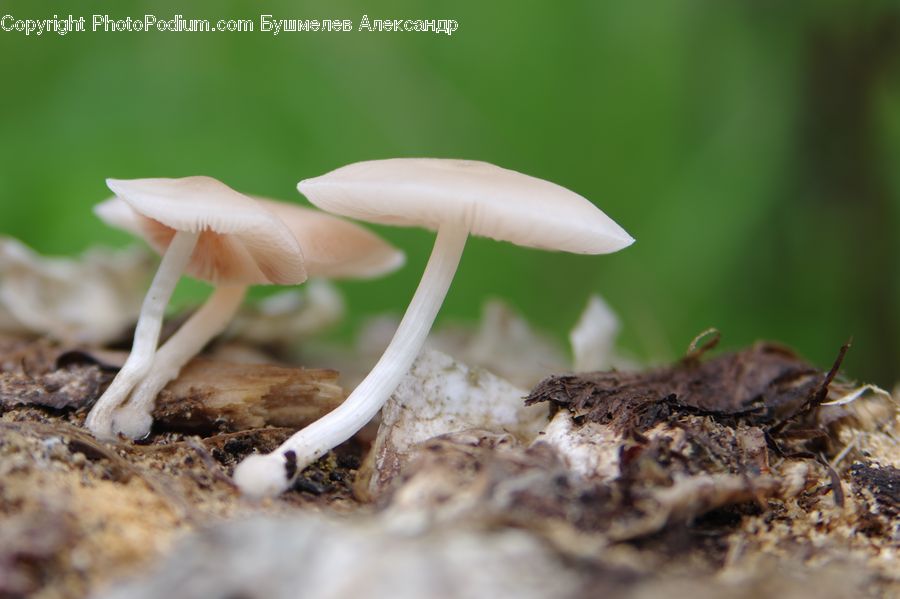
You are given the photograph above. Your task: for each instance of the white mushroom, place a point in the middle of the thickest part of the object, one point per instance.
(239, 241)
(455, 197)
(205, 228)
(332, 248)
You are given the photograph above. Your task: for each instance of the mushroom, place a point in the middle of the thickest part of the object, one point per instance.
(457, 198)
(210, 230)
(333, 248)
(239, 241)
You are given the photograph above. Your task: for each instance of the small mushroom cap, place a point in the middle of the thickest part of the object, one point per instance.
(240, 243)
(333, 247)
(495, 202)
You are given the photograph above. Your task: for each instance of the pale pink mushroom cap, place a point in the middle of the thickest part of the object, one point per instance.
(495, 202)
(241, 242)
(333, 247)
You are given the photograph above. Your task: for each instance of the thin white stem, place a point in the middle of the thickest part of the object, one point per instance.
(271, 474)
(146, 334)
(134, 418)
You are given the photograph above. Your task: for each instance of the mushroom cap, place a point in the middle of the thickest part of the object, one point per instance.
(240, 242)
(333, 247)
(495, 202)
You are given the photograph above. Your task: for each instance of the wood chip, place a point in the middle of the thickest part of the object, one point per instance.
(218, 396)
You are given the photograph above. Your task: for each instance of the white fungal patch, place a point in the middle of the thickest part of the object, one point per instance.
(439, 396)
(590, 450)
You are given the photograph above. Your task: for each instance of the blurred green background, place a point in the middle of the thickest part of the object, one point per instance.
(749, 146)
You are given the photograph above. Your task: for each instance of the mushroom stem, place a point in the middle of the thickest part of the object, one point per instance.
(146, 333)
(271, 474)
(134, 418)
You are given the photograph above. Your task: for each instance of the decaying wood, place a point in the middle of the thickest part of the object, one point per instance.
(725, 476)
(212, 395)
(64, 388)
(762, 384)
(25, 355)
(208, 396)
(878, 489)
(736, 447)
(76, 513)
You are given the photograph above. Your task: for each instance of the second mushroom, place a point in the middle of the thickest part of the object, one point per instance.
(216, 234)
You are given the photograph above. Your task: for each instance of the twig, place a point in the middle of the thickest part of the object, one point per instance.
(843, 453)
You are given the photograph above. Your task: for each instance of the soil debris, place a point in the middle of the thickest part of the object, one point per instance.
(325, 557)
(721, 476)
(32, 549)
(690, 465)
(760, 385)
(878, 490)
(73, 387)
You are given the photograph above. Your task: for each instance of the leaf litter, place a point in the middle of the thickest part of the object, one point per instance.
(729, 474)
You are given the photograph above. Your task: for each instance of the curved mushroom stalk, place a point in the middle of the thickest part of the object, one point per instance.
(458, 197)
(146, 334)
(134, 418)
(271, 474)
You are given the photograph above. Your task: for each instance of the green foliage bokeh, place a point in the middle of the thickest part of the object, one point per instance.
(749, 146)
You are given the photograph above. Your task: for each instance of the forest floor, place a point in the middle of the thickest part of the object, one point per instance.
(718, 475)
